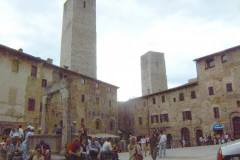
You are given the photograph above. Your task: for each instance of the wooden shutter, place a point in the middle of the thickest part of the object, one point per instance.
(184, 116)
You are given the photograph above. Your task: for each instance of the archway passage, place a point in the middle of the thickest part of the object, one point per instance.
(236, 127)
(169, 141)
(199, 134)
(186, 137)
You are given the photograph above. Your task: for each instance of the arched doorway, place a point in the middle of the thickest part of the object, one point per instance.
(236, 127)
(199, 134)
(186, 136)
(169, 141)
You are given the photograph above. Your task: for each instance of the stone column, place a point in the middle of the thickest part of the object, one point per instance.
(43, 120)
(66, 130)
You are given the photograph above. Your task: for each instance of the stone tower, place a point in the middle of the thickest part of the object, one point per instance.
(153, 69)
(78, 46)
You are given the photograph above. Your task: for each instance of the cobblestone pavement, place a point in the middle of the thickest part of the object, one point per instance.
(190, 153)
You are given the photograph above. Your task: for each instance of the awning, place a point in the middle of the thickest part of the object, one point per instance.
(103, 135)
(218, 127)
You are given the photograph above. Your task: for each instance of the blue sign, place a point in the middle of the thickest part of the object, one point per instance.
(218, 127)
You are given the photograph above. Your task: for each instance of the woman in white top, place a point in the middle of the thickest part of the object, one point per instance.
(144, 145)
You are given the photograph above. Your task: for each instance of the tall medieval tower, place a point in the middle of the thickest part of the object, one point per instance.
(153, 70)
(78, 46)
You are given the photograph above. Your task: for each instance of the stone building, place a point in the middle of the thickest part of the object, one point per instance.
(209, 104)
(78, 48)
(36, 92)
(153, 73)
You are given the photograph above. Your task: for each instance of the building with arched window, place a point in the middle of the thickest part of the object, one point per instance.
(208, 104)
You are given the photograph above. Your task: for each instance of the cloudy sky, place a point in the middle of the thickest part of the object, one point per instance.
(126, 29)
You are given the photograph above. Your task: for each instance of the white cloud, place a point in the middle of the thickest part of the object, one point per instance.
(182, 29)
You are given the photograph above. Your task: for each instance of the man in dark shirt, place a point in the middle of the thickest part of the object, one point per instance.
(153, 145)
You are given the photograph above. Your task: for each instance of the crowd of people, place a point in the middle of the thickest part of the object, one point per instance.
(91, 148)
(14, 146)
(153, 145)
(214, 139)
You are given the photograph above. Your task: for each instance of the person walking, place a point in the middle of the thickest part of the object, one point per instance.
(134, 149)
(162, 144)
(144, 145)
(153, 145)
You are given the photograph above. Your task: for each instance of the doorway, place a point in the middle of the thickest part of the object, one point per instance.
(236, 127)
(199, 134)
(186, 137)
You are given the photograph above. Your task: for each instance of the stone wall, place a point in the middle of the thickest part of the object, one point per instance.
(78, 49)
(201, 107)
(153, 70)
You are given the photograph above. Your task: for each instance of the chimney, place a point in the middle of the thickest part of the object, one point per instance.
(49, 60)
(65, 67)
(20, 50)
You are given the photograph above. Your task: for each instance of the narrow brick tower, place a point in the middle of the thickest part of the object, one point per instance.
(153, 70)
(78, 46)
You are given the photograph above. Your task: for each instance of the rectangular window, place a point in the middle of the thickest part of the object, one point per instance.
(238, 103)
(83, 81)
(44, 83)
(184, 116)
(60, 76)
(181, 96)
(97, 100)
(154, 119)
(224, 58)
(163, 99)
(140, 120)
(174, 100)
(110, 103)
(229, 87)
(84, 4)
(83, 98)
(41, 107)
(187, 115)
(109, 89)
(97, 85)
(34, 71)
(153, 100)
(164, 117)
(193, 94)
(15, 66)
(209, 63)
(216, 112)
(31, 104)
(210, 91)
